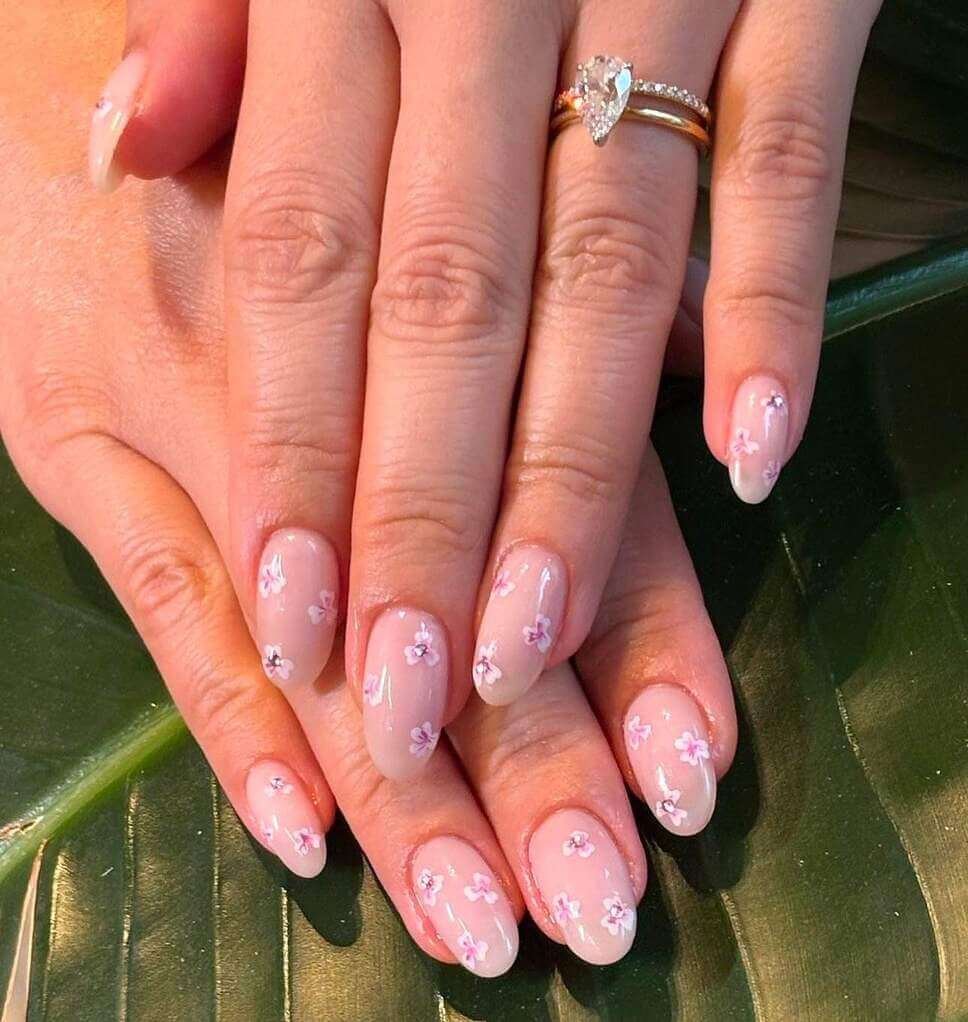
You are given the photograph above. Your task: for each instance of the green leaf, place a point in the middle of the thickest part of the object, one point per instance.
(832, 884)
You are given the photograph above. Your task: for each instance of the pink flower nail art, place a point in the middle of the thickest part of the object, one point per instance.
(578, 841)
(423, 740)
(539, 634)
(471, 951)
(503, 586)
(771, 472)
(636, 731)
(743, 444)
(275, 664)
(422, 649)
(668, 806)
(619, 917)
(430, 885)
(325, 610)
(481, 886)
(268, 830)
(486, 671)
(272, 579)
(277, 786)
(564, 908)
(373, 688)
(305, 839)
(692, 748)
(774, 404)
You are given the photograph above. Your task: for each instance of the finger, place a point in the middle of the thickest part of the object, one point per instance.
(616, 231)
(550, 787)
(653, 668)
(157, 555)
(302, 221)
(449, 313)
(786, 83)
(175, 92)
(428, 841)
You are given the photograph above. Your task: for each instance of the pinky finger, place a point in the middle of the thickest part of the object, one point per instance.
(157, 555)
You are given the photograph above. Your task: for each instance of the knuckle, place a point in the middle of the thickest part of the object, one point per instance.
(224, 703)
(441, 289)
(781, 151)
(594, 259)
(165, 581)
(767, 290)
(289, 241)
(579, 468)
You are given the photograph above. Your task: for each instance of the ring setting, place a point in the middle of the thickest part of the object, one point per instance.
(601, 94)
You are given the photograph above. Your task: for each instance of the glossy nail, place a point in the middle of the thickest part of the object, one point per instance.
(296, 606)
(757, 437)
(585, 885)
(404, 690)
(668, 746)
(111, 115)
(520, 624)
(284, 818)
(466, 904)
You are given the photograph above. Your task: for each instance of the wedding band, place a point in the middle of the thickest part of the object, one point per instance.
(600, 98)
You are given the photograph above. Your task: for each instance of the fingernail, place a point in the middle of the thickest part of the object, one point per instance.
(404, 690)
(296, 606)
(585, 884)
(111, 115)
(668, 746)
(285, 819)
(466, 904)
(520, 624)
(757, 437)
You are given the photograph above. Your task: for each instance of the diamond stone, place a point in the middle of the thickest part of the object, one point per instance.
(603, 85)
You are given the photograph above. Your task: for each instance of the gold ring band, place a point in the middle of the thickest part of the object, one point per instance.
(695, 132)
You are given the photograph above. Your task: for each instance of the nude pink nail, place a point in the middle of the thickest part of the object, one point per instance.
(111, 115)
(296, 606)
(404, 690)
(757, 437)
(466, 904)
(284, 818)
(585, 885)
(521, 622)
(668, 746)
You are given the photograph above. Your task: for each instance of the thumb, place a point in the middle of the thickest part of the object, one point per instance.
(175, 93)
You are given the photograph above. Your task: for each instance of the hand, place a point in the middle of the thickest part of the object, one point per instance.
(122, 434)
(385, 197)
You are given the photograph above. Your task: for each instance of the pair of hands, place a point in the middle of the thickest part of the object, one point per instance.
(403, 250)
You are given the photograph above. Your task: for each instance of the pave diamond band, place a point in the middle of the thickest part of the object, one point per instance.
(600, 97)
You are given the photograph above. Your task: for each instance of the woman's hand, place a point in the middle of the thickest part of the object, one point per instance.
(113, 406)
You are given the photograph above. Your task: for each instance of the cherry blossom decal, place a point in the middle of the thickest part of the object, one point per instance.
(422, 650)
(486, 671)
(692, 748)
(373, 688)
(325, 610)
(771, 472)
(668, 805)
(743, 443)
(539, 634)
(423, 740)
(268, 830)
(278, 786)
(564, 908)
(272, 579)
(275, 664)
(481, 887)
(636, 732)
(304, 839)
(430, 885)
(579, 842)
(471, 951)
(619, 917)
(503, 586)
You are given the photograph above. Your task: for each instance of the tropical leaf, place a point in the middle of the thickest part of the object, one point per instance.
(832, 884)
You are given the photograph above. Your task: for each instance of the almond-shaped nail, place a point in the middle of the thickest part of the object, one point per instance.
(466, 904)
(404, 690)
(296, 606)
(111, 115)
(521, 622)
(284, 818)
(757, 437)
(668, 746)
(585, 884)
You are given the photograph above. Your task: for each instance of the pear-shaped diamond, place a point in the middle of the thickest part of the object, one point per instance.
(603, 85)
